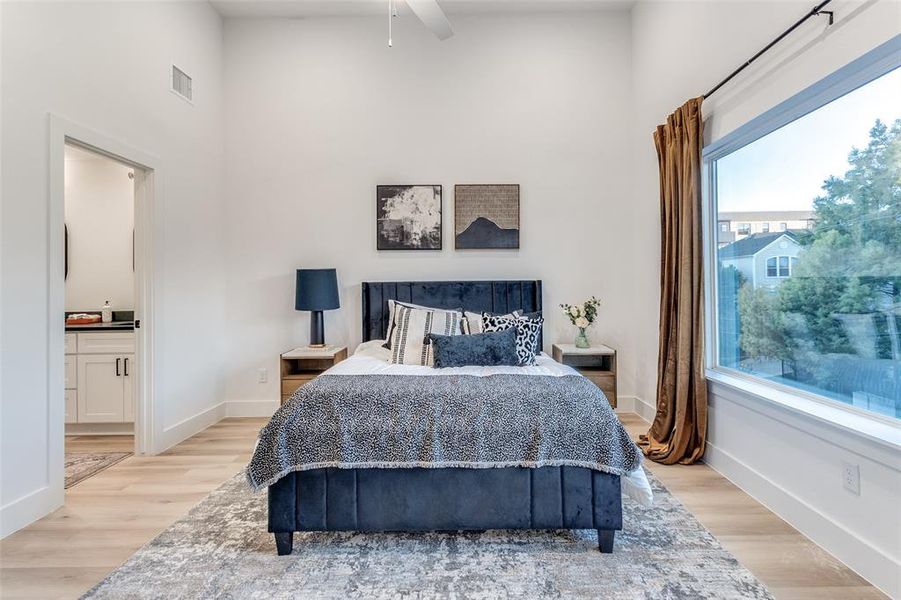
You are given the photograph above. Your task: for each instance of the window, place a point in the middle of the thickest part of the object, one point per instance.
(724, 226)
(765, 228)
(825, 319)
(778, 266)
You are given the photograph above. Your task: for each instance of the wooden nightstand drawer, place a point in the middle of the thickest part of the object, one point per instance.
(607, 383)
(603, 381)
(292, 384)
(597, 364)
(301, 365)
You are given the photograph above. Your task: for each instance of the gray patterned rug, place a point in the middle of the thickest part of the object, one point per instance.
(81, 465)
(221, 550)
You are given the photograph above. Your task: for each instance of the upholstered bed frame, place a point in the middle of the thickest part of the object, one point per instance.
(445, 499)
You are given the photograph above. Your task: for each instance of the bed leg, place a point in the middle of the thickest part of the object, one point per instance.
(605, 540)
(284, 543)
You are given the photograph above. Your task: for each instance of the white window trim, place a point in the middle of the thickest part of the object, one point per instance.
(870, 66)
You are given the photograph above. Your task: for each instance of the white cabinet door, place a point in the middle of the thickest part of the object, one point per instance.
(101, 391)
(128, 402)
(71, 406)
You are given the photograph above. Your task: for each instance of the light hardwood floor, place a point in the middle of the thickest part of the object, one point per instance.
(790, 565)
(109, 516)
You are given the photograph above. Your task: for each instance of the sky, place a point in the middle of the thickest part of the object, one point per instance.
(785, 170)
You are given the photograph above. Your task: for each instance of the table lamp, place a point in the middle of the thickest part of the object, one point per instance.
(316, 290)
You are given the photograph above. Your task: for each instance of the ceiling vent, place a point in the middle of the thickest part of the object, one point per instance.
(182, 84)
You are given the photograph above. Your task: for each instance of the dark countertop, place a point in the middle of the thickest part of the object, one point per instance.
(123, 320)
(114, 326)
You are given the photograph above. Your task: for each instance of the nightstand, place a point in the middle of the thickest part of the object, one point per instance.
(597, 363)
(301, 365)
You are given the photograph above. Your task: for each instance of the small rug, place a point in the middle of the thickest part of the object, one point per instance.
(81, 465)
(221, 550)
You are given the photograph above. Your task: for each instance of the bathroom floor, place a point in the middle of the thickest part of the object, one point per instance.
(87, 455)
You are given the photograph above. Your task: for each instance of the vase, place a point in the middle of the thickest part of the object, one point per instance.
(582, 339)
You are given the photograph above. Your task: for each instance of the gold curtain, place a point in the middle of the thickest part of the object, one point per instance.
(679, 430)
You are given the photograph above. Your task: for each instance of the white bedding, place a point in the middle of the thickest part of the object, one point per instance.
(371, 358)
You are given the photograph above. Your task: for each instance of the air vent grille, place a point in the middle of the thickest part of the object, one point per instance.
(182, 84)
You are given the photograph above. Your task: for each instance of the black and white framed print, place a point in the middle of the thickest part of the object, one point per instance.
(408, 217)
(486, 217)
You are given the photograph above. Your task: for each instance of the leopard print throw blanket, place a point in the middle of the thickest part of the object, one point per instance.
(404, 421)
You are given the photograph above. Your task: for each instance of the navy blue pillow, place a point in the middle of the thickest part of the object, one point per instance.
(479, 349)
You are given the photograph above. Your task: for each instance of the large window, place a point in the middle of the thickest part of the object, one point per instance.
(814, 304)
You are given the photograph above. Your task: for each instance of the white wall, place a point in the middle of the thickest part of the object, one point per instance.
(100, 218)
(320, 111)
(680, 50)
(106, 66)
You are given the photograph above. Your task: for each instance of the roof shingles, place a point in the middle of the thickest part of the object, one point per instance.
(753, 244)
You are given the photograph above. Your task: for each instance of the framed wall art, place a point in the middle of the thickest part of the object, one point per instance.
(408, 217)
(486, 217)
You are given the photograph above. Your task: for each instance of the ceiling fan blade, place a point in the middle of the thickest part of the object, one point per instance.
(432, 17)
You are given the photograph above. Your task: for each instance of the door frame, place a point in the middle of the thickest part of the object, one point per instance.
(148, 203)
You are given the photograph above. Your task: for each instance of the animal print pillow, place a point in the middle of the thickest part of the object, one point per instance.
(472, 322)
(528, 332)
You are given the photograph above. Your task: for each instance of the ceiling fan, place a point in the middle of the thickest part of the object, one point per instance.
(428, 12)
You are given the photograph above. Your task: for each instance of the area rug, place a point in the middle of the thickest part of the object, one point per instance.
(81, 465)
(221, 550)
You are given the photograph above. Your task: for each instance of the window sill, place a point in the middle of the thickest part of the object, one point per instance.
(856, 432)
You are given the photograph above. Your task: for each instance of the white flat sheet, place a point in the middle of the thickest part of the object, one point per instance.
(371, 358)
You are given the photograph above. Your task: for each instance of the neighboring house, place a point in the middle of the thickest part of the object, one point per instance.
(764, 259)
(733, 226)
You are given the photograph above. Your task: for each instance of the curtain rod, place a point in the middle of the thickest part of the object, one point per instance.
(814, 12)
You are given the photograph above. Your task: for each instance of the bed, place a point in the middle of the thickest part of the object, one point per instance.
(371, 446)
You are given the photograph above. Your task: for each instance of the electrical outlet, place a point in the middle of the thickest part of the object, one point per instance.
(262, 376)
(851, 478)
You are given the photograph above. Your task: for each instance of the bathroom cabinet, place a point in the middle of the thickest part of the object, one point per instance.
(100, 377)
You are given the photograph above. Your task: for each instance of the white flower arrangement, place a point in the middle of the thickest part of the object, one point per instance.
(582, 315)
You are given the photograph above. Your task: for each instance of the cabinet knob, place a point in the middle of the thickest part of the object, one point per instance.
(117, 367)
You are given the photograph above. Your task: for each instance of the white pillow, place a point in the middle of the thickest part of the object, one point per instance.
(410, 344)
(391, 305)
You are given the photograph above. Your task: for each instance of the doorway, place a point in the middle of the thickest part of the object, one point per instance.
(101, 249)
(99, 271)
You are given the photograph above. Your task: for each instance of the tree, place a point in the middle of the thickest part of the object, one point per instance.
(759, 313)
(851, 263)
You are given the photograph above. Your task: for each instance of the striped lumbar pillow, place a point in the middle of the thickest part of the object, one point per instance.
(410, 344)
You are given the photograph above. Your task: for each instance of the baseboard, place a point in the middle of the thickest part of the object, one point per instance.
(28, 509)
(625, 404)
(868, 561)
(250, 408)
(182, 430)
(644, 410)
(100, 428)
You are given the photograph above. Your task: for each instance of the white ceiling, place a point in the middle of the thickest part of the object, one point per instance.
(344, 8)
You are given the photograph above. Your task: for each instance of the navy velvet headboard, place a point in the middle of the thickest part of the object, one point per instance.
(475, 296)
